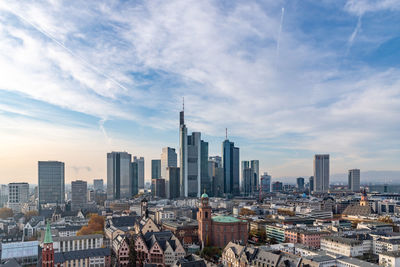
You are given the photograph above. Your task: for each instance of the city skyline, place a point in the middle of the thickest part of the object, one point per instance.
(73, 91)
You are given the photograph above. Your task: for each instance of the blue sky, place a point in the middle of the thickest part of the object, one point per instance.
(287, 78)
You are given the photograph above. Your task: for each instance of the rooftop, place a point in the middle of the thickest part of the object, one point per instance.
(225, 219)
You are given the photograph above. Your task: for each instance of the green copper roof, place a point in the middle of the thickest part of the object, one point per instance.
(204, 195)
(225, 219)
(47, 237)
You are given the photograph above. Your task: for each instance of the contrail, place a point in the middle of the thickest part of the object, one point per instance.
(279, 33)
(353, 35)
(47, 34)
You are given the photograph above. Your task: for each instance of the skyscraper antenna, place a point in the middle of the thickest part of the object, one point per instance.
(183, 103)
(226, 133)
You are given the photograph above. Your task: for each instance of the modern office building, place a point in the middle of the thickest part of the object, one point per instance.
(277, 187)
(51, 182)
(354, 180)
(155, 168)
(311, 183)
(134, 173)
(230, 161)
(321, 173)
(300, 183)
(172, 183)
(98, 185)
(18, 193)
(119, 175)
(140, 162)
(255, 167)
(194, 172)
(248, 180)
(265, 183)
(158, 188)
(3, 195)
(216, 174)
(78, 194)
(168, 159)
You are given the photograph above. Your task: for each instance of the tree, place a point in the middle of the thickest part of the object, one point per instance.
(30, 214)
(95, 226)
(132, 252)
(246, 212)
(6, 213)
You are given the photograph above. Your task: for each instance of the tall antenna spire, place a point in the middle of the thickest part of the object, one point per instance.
(226, 133)
(183, 103)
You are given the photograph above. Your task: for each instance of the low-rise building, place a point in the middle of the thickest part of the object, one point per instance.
(389, 259)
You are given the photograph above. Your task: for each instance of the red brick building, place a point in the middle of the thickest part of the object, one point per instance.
(219, 230)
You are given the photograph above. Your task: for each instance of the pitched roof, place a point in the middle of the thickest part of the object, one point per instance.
(124, 221)
(61, 257)
(47, 236)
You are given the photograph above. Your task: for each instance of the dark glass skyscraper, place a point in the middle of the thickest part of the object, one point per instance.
(119, 175)
(230, 161)
(156, 169)
(51, 182)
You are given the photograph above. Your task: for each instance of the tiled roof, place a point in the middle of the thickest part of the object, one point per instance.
(61, 257)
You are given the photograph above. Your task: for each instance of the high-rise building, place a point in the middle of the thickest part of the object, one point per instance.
(119, 175)
(155, 168)
(277, 187)
(78, 194)
(18, 193)
(194, 173)
(168, 159)
(3, 195)
(265, 183)
(134, 173)
(243, 166)
(311, 183)
(248, 180)
(230, 159)
(140, 162)
(98, 185)
(216, 174)
(172, 183)
(255, 168)
(300, 183)
(321, 173)
(158, 188)
(51, 182)
(354, 180)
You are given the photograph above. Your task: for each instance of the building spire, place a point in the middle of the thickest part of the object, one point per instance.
(226, 133)
(47, 237)
(183, 103)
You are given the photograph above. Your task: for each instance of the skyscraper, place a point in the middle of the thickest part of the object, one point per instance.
(183, 157)
(158, 188)
(168, 159)
(18, 193)
(216, 174)
(78, 194)
(321, 173)
(155, 168)
(140, 162)
(265, 183)
(300, 183)
(194, 173)
(51, 182)
(354, 180)
(311, 183)
(98, 185)
(248, 177)
(230, 160)
(172, 183)
(255, 167)
(134, 173)
(119, 175)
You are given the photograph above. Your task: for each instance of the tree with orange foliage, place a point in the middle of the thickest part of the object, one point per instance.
(6, 213)
(246, 212)
(95, 226)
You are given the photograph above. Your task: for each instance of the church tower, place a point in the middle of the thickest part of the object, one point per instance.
(48, 250)
(364, 198)
(144, 212)
(204, 220)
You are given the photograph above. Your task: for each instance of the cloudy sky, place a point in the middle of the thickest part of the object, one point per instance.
(287, 78)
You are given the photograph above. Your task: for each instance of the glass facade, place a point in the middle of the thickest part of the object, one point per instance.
(51, 182)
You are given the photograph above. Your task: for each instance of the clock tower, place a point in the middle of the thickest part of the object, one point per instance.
(204, 220)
